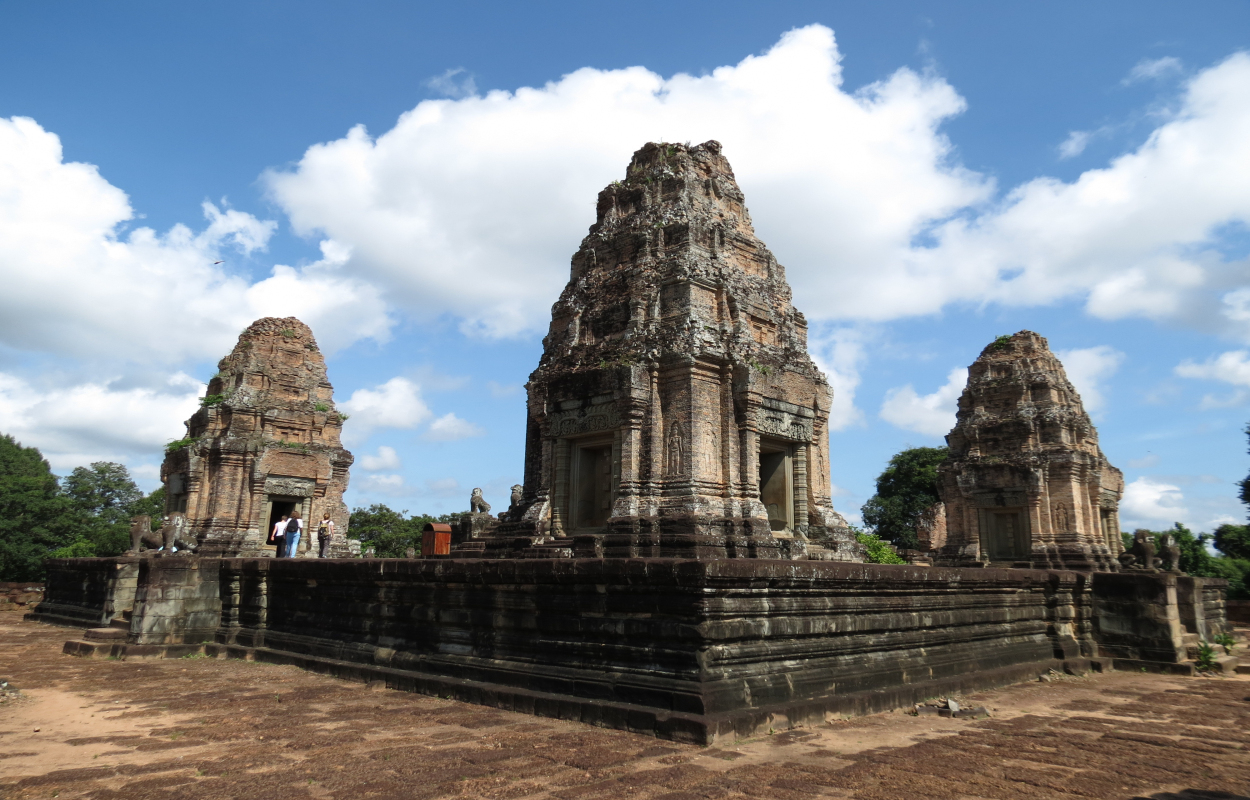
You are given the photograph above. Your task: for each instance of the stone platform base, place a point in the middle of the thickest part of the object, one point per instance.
(685, 649)
(683, 727)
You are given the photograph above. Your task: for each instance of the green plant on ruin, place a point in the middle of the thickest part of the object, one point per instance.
(1226, 641)
(322, 407)
(180, 444)
(1001, 342)
(287, 333)
(344, 417)
(876, 549)
(300, 446)
(1206, 658)
(762, 369)
(210, 400)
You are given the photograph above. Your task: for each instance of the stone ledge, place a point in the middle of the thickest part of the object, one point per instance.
(704, 729)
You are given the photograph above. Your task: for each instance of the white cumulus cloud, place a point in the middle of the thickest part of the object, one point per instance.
(385, 459)
(394, 404)
(76, 284)
(472, 206)
(1088, 369)
(77, 424)
(1230, 367)
(1148, 501)
(930, 414)
(840, 353)
(450, 428)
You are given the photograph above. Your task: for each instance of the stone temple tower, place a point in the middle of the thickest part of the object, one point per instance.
(1025, 483)
(675, 411)
(264, 441)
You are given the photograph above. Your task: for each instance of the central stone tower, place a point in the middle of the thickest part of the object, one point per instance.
(676, 411)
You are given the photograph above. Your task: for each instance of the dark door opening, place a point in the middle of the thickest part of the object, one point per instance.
(278, 509)
(775, 491)
(592, 500)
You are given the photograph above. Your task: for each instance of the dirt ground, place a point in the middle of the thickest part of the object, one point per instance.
(201, 728)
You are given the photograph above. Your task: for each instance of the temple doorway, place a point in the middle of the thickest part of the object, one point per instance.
(278, 507)
(777, 485)
(592, 485)
(1004, 534)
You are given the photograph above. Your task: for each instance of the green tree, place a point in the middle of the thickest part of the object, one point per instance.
(1233, 541)
(33, 513)
(905, 489)
(1195, 559)
(153, 505)
(104, 498)
(389, 532)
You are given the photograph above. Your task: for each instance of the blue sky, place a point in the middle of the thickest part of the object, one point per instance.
(411, 180)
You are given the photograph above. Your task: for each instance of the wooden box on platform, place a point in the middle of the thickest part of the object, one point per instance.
(435, 539)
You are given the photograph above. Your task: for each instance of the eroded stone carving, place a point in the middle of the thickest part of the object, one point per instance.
(172, 537)
(477, 503)
(265, 441)
(1025, 482)
(674, 359)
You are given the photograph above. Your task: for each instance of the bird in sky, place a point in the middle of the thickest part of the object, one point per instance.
(215, 263)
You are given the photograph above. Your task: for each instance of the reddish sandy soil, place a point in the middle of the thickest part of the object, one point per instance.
(202, 728)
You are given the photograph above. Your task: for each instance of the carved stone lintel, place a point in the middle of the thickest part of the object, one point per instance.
(290, 487)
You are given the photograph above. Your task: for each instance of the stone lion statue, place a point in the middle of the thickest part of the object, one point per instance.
(478, 504)
(516, 495)
(171, 535)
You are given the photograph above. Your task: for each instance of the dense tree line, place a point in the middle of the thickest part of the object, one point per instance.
(85, 514)
(389, 532)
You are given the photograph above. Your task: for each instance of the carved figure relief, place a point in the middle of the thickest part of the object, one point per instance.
(676, 450)
(1061, 518)
(711, 455)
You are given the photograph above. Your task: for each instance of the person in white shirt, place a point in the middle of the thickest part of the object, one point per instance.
(278, 536)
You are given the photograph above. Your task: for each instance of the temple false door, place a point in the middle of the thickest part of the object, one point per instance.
(592, 486)
(1004, 534)
(776, 482)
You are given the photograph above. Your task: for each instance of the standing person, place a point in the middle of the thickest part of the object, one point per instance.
(278, 537)
(325, 529)
(294, 526)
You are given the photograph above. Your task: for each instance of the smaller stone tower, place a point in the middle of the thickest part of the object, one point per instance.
(264, 441)
(1026, 483)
